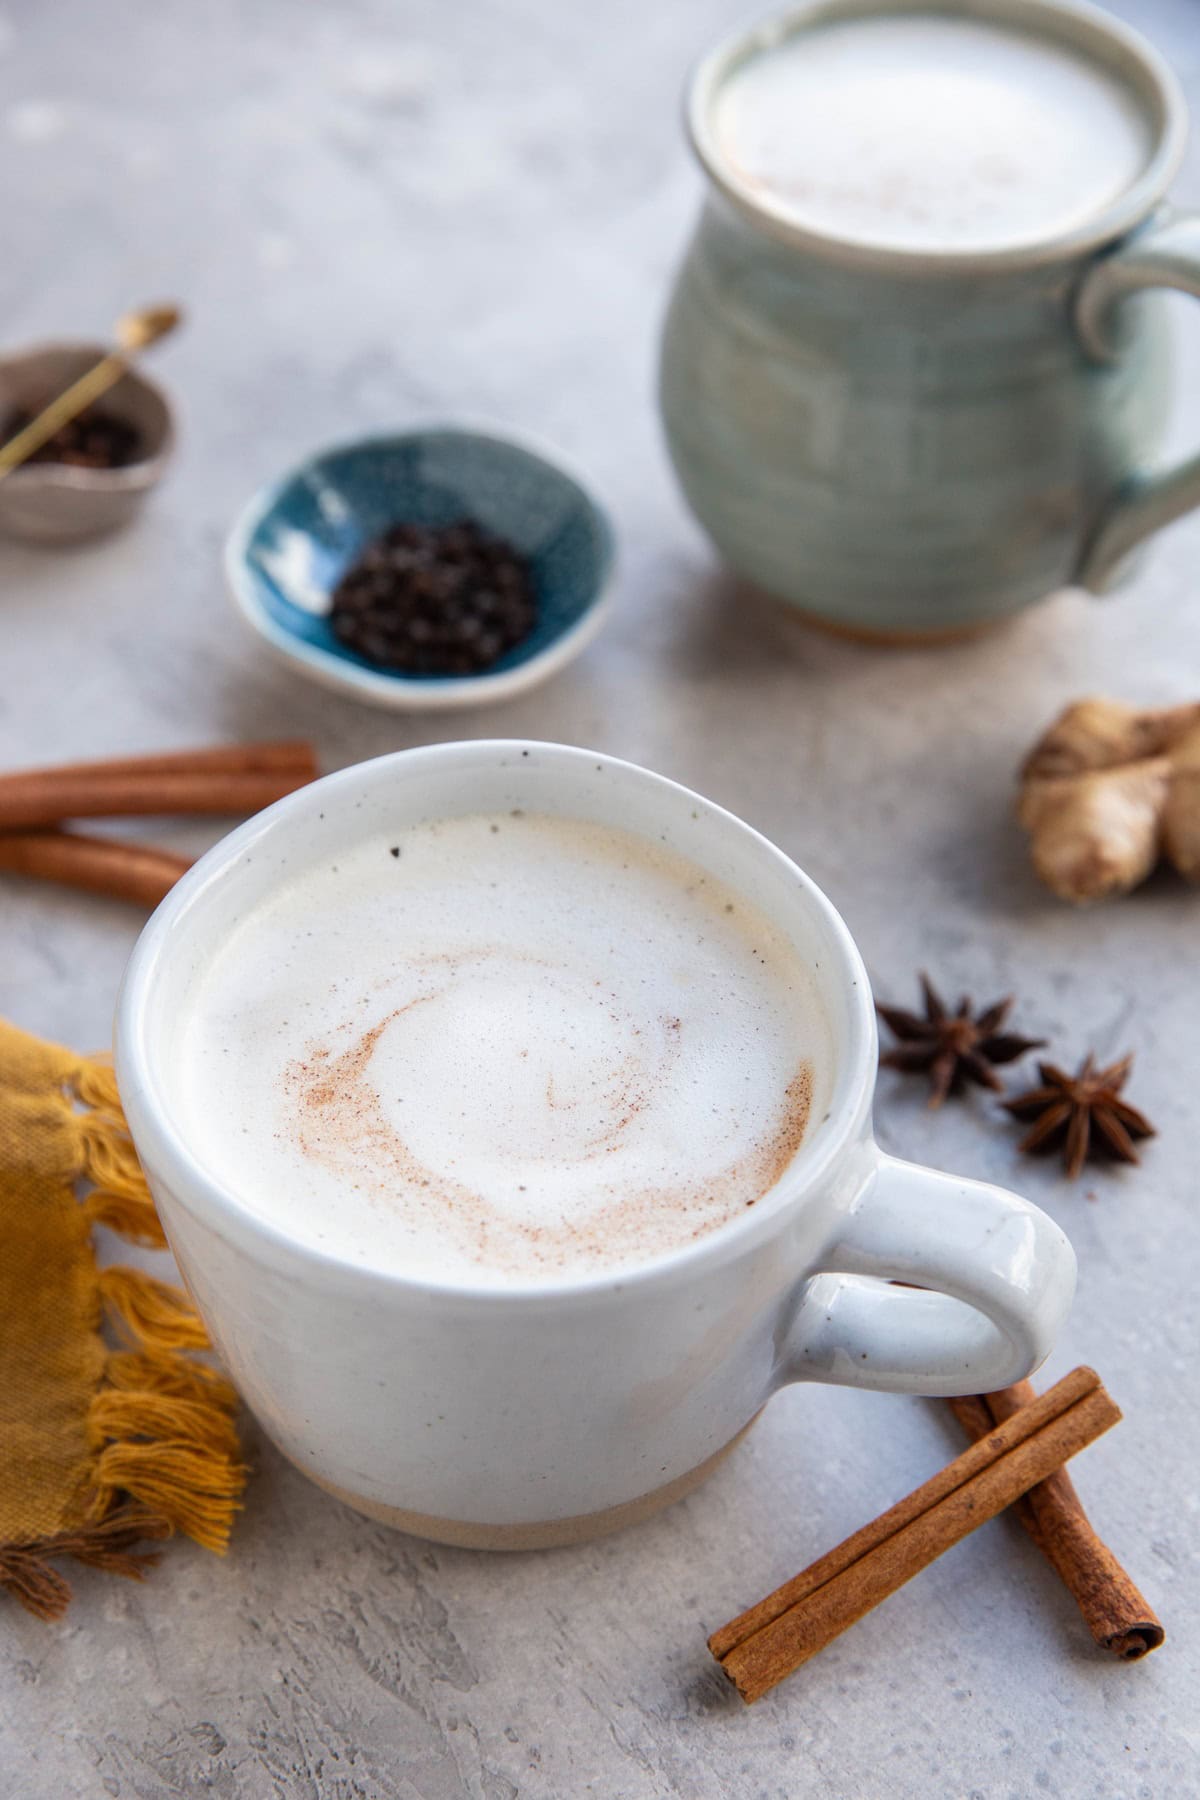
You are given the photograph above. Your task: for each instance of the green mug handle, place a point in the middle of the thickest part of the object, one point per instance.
(1164, 256)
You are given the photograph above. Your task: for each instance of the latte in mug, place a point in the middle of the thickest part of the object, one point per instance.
(502, 1049)
(924, 130)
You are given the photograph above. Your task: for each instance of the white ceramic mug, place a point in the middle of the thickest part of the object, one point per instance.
(517, 1417)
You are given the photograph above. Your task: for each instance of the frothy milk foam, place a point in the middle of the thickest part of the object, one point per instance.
(509, 1048)
(923, 131)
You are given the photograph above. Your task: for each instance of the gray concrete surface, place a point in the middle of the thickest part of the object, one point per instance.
(378, 213)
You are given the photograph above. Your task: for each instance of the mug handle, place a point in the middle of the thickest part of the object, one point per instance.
(1003, 1271)
(1163, 256)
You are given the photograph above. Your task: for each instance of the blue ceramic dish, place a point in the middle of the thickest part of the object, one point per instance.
(292, 543)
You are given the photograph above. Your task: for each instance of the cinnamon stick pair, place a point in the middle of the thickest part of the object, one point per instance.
(1024, 1448)
(232, 778)
(1114, 1609)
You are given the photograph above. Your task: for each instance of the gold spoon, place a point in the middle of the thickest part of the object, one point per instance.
(135, 331)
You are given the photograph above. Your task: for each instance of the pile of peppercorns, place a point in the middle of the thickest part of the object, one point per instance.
(435, 600)
(94, 440)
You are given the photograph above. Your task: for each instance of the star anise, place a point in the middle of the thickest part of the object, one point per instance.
(1083, 1113)
(954, 1047)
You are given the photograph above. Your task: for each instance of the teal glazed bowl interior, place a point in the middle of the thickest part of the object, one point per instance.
(297, 537)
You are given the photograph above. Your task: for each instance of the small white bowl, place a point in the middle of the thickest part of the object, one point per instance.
(58, 503)
(295, 539)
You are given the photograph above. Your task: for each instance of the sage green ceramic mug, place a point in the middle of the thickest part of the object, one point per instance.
(911, 442)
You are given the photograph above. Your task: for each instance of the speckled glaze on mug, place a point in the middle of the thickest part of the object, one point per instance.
(912, 444)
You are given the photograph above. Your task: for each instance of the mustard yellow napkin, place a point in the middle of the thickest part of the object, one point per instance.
(105, 1440)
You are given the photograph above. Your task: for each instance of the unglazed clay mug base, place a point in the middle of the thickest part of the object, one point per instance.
(910, 444)
(523, 1415)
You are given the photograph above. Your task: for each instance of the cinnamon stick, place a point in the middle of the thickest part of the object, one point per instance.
(295, 754)
(109, 866)
(47, 798)
(770, 1640)
(1115, 1611)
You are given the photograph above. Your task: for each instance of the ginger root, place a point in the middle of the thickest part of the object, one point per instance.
(1107, 792)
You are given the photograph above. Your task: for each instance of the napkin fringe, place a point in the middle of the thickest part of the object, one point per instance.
(108, 1545)
(164, 1448)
